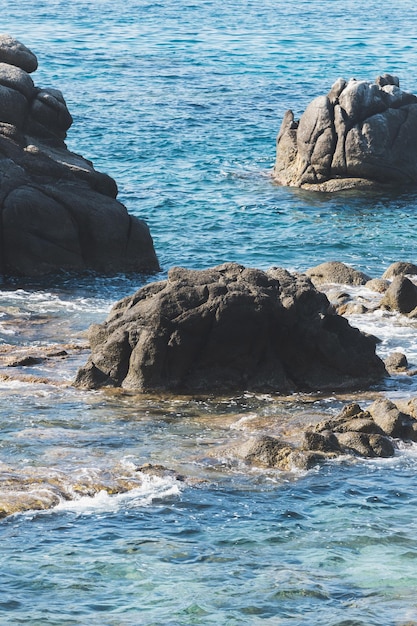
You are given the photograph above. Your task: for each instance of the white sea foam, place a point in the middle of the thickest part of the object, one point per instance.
(152, 488)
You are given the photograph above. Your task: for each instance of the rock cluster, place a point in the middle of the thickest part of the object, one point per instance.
(369, 433)
(399, 292)
(229, 328)
(360, 135)
(57, 211)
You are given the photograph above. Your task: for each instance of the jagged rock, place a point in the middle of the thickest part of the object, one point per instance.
(351, 419)
(336, 272)
(57, 212)
(399, 268)
(400, 296)
(229, 328)
(361, 135)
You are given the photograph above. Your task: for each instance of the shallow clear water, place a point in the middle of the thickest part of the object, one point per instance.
(181, 103)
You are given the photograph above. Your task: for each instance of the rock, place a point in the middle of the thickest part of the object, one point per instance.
(351, 419)
(396, 362)
(400, 296)
(379, 285)
(15, 53)
(400, 268)
(409, 407)
(392, 421)
(366, 445)
(57, 212)
(336, 272)
(352, 308)
(325, 441)
(269, 452)
(229, 328)
(352, 431)
(360, 135)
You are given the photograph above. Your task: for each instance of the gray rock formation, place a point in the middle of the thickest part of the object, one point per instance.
(229, 328)
(57, 211)
(360, 135)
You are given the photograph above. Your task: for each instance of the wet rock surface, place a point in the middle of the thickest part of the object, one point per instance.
(229, 328)
(361, 135)
(57, 212)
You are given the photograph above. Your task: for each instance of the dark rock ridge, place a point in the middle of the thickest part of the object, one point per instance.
(229, 328)
(57, 211)
(360, 135)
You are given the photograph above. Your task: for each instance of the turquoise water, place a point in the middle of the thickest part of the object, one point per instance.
(181, 103)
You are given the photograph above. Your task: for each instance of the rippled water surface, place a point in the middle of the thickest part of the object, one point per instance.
(181, 103)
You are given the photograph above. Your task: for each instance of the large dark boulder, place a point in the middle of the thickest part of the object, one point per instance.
(360, 135)
(229, 328)
(57, 211)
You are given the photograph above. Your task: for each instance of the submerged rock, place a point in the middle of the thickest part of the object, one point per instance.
(229, 328)
(57, 211)
(360, 135)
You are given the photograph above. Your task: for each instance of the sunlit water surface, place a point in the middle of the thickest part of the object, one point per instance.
(181, 103)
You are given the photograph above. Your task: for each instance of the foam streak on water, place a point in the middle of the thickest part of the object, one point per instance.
(181, 102)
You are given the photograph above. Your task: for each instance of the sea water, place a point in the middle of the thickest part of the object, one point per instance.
(181, 103)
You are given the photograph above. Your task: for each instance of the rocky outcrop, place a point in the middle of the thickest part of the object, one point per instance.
(229, 328)
(360, 135)
(56, 211)
(355, 432)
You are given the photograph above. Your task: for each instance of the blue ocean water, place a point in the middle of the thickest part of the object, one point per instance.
(181, 103)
